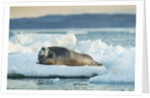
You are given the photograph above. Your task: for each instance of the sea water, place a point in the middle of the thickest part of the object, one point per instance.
(114, 47)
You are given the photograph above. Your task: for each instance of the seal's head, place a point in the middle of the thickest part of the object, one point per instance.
(44, 51)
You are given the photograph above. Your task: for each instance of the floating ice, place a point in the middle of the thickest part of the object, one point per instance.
(118, 62)
(120, 68)
(25, 65)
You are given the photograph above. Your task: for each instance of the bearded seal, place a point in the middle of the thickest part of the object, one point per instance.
(64, 56)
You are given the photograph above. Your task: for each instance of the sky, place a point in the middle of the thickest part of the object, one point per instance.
(36, 11)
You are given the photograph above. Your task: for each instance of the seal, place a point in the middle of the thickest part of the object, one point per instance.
(64, 56)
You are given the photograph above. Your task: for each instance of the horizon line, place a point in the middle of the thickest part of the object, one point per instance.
(75, 14)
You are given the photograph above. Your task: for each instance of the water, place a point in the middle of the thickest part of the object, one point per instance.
(114, 47)
(111, 36)
(66, 84)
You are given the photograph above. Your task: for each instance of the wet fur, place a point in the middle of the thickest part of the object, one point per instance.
(64, 56)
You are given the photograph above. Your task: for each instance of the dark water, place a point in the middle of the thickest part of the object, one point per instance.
(66, 84)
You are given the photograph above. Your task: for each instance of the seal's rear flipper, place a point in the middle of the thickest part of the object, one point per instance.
(99, 64)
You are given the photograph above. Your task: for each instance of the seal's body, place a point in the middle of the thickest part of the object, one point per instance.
(64, 56)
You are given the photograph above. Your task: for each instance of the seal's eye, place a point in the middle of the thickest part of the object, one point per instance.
(43, 48)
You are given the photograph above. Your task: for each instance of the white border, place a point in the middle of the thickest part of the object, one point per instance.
(139, 47)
